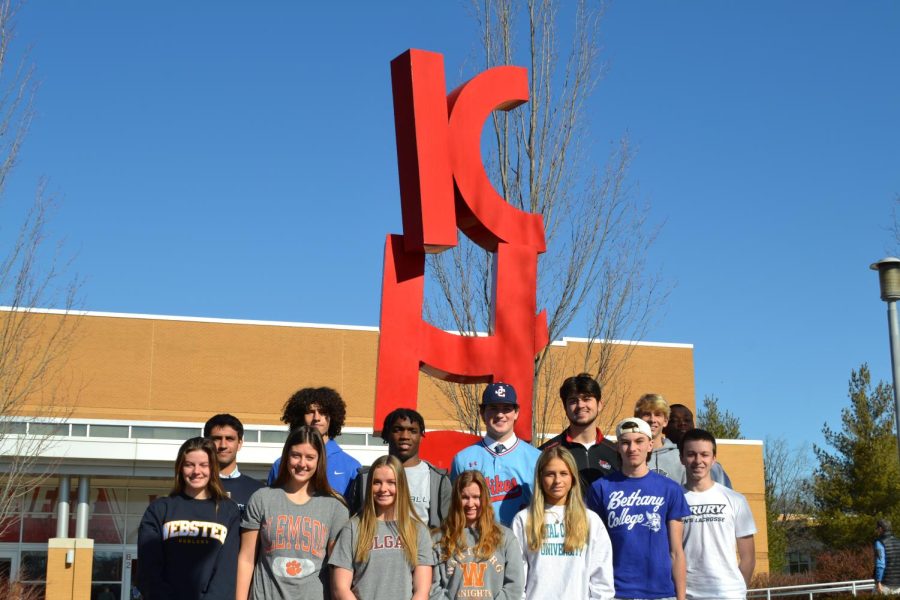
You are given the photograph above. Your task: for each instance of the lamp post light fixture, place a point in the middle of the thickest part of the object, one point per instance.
(889, 281)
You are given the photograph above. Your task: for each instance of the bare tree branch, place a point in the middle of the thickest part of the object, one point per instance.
(33, 344)
(787, 490)
(539, 158)
(894, 249)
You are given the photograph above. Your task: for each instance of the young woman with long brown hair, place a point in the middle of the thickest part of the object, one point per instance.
(289, 529)
(385, 551)
(566, 548)
(188, 541)
(475, 557)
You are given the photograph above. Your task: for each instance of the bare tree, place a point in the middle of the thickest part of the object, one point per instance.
(894, 249)
(33, 344)
(787, 471)
(539, 159)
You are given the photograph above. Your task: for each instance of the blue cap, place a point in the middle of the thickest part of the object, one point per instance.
(499, 393)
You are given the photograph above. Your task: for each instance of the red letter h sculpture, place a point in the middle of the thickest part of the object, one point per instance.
(444, 187)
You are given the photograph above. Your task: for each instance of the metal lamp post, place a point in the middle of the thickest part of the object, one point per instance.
(889, 280)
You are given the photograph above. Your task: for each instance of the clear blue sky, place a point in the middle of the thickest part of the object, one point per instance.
(237, 160)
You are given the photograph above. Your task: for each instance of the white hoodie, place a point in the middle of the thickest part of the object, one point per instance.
(552, 573)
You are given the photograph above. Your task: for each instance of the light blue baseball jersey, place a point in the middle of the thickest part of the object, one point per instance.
(509, 475)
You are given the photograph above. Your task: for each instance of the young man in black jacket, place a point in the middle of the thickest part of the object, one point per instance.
(596, 456)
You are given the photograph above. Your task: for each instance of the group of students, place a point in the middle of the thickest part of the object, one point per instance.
(570, 520)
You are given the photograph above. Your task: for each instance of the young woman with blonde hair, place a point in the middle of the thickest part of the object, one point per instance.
(475, 557)
(565, 547)
(289, 529)
(188, 541)
(385, 551)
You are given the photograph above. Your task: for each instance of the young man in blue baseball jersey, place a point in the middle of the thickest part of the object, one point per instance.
(506, 462)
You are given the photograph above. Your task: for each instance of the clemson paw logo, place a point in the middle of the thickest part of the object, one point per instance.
(288, 566)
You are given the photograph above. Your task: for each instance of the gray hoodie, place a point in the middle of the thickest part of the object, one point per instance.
(664, 460)
(667, 461)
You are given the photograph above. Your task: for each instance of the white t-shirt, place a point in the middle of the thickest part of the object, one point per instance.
(718, 517)
(419, 480)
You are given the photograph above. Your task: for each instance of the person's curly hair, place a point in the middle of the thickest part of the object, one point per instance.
(328, 401)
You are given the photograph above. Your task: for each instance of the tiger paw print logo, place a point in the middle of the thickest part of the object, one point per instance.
(294, 568)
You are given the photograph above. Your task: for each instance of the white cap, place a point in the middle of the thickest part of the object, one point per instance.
(633, 425)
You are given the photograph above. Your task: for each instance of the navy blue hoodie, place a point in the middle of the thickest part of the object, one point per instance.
(187, 549)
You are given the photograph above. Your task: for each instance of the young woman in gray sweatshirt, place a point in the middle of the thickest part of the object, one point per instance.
(475, 557)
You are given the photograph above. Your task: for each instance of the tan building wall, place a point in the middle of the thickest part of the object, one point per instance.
(165, 369)
(133, 367)
(743, 461)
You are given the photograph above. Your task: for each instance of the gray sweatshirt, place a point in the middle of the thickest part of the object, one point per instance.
(501, 576)
(667, 461)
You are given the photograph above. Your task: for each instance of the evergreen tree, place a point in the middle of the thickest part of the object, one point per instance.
(858, 479)
(723, 425)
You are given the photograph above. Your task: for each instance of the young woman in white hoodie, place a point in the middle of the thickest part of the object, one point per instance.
(565, 547)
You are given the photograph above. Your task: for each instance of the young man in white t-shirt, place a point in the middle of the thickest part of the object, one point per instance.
(720, 519)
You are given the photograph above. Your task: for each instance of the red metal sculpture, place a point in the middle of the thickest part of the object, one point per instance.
(444, 187)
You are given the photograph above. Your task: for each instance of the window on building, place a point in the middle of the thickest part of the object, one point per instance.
(799, 562)
(33, 570)
(351, 439)
(106, 576)
(107, 520)
(138, 501)
(113, 431)
(272, 437)
(39, 514)
(48, 428)
(164, 433)
(12, 427)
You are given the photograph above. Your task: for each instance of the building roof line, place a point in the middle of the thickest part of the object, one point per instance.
(583, 340)
(118, 315)
(217, 320)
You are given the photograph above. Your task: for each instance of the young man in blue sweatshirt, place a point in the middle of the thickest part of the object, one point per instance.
(324, 409)
(506, 462)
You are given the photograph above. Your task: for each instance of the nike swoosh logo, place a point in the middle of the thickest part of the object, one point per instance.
(338, 472)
